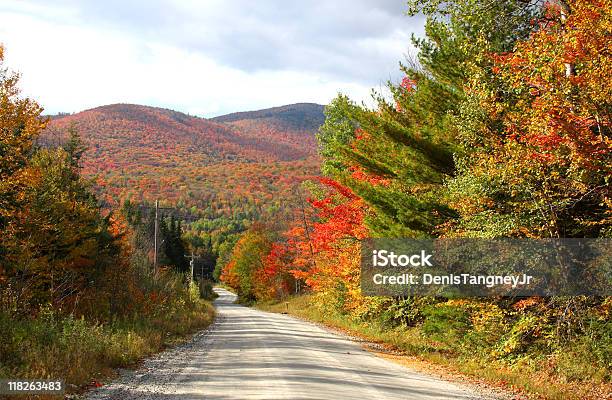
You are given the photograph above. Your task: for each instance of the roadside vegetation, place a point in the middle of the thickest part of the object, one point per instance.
(83, 351)
(468, 338)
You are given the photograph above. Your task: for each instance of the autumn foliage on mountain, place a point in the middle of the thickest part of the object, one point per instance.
(144, 153)
(501, 128)
(223, 173)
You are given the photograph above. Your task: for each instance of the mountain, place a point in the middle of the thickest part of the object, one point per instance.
(230, 162)
(300, 117)
(253, 139)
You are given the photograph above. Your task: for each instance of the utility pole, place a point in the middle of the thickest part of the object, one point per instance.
(191, 267)
(155, 239)
(192, 258)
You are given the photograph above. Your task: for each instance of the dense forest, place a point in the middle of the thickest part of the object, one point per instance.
(500, 128)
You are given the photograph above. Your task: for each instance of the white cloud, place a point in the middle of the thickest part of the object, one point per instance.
(71, 61)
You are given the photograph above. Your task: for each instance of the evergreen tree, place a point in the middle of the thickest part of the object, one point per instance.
(74, 147)
(173, 248)
(399, 156)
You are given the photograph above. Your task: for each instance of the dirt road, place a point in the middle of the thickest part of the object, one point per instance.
(250, 354)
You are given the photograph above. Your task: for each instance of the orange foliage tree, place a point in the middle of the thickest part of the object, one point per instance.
(549, 163)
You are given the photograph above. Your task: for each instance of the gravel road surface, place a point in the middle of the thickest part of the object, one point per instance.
(250, 354)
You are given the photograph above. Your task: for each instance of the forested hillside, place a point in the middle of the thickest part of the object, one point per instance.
(223, 173)
(143, 153)
(292, 118)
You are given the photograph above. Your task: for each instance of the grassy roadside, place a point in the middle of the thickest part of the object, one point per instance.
(83, 352)
(418, 350)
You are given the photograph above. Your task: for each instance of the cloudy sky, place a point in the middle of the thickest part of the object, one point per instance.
(206, 57)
